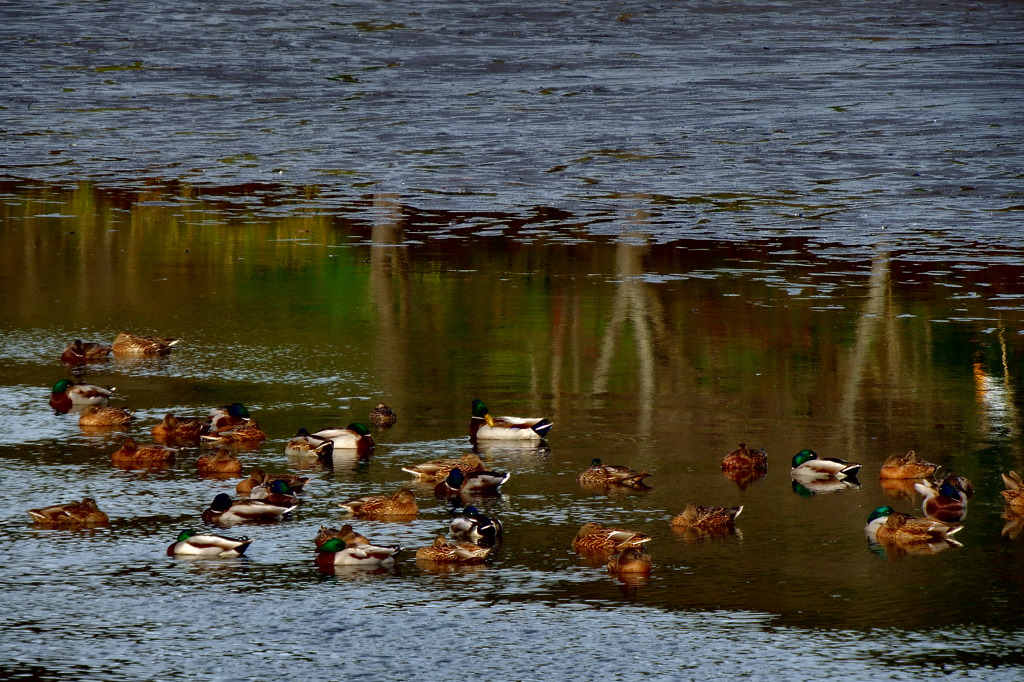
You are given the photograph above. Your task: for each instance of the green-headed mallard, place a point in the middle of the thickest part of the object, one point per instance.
(79, 352)
(807, 464)
(131, 345)
(277, 491)
(475, 483)
(258, 477)
(595, 538)
(438, 469)
(102, 416)
(227, 417)
(382, 416)
(907, 466)
(355, 436)
(66, 395)
(1014, 493)
(444, 552)
(226, 511)
(131, 452)
(221, 464)
(337, 552)
(346, 534)
(631, 560)
(888, 525)
(400, 505)
(84, 514)
(194, 543)
(305, 444)
(472, 526)
(698, 517)
(482, 426)
(604, 475)
(942, 500)
(247, 434)
(179, 429)
(745, 459)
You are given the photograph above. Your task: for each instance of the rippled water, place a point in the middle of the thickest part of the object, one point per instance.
(669, 227)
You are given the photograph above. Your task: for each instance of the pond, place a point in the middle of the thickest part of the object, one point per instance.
(670, 229)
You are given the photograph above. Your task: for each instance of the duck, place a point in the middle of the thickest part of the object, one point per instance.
(907, 466)
(1014, 493)
(257, 477)
(475, 483)
(698, 517)
(346, 534)
(99, 415)
(245, 434)
(79, 352)
(277, 491)
(65, 395)
(807, 464)
(179, 429)
(942, 500)
(445, 552)
(599, 474)
(142, 346)
(305, 444)
(225, 511)
(131, 452)
(438, 469)
(472, 526)
(382, 416)
(402, 503)
(227, 417)
(888, 525)
(482, 426)
(193, 543)
(745, 459)
(222, 463)
(961, 483)
(593, 537)
(355, 436)
(337, 552)
(631, 561)
(84, 514)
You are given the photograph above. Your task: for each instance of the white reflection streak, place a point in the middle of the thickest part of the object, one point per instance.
(996, 397)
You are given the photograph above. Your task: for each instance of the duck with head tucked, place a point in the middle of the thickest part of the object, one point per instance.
(305, 444)
(104, 417)
(346, 534)
(807, 464)
(1014, 493)
(79, 352)
(595, 538)
(888, 525)
(600, 475)
(131, 453)
(907, 466)
(132, 345)
(221, 464)
(257, 477)
(227, 417)
(401, 505)
(482, 426)
(67, 395)
(476, 483)
(745, 459)
(382, 416)
(472, 526)
(225, 511)
(193, 543)
(438, 469)
(179, 429)
(942, 500)
(445, 552)
(630, 561)
(697, 517)
(247, 434)
(84, 514)
(355, 436)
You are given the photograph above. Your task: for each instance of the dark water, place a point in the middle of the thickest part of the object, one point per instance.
(669, 227)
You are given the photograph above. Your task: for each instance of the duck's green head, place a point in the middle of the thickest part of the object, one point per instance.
(186, 534)
(359, 428)
(221, 503)
(455, 478)
(470, 510)
(238, 411)
(803, 456)
(332, 545)
(280, 487)
(480, 409)
(61, 386)
(949, 490)
(596, 462)
(881, 513)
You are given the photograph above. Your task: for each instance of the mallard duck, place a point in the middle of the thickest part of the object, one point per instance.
(179, 429)
(355, 436)
(346, 534)
(131, 452)
(438, 469)
(907, 466)
(1014, 493)
(706, 518)
(383, 416)
(745, 459)
(277, 491)
(475, 483)
(226, 511)
(599, 474)
(807, 464)
(258, 477)
(400, 504)
(482, 426)
(337, 552)
(247, 433)
(193, 543)
(98, 415)
(593, 537)
(444, 552)
(79, 352)
(227, 417)
(223, 463)
(141, 346)
(961, 483)
(888, 525)
(66, 394)
(631, 560)
(305, 444)
(472, 526)
(82, 514)
(942, 500)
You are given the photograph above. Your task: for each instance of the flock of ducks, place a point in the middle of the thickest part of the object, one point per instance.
(471, 535)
